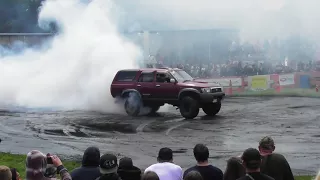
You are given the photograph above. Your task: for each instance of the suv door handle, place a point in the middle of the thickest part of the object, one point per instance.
(138, 85)
(157, 85)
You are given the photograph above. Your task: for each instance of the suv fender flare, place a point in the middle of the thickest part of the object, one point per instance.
(127, 91)
(189, 90)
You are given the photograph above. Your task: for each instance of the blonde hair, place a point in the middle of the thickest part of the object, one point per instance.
(5, 173)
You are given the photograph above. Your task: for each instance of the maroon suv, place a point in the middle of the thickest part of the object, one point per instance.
(154, 87)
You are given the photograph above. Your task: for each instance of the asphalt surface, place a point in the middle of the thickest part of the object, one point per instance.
(293, 123)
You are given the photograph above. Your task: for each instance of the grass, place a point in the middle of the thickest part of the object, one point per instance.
(289, 92)
(18, 161)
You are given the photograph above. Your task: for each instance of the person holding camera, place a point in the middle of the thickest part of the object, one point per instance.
(42, 167)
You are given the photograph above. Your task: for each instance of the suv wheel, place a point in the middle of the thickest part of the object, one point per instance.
(133, 104)
(211, 109)
(189, 107)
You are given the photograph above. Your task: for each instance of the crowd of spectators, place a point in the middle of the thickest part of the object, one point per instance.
(260, 163)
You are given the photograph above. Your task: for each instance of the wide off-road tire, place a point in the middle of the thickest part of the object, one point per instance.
(211, 109)
(189, 107)
(133, 104)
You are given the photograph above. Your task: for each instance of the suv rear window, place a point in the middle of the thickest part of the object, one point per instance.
(126, 75)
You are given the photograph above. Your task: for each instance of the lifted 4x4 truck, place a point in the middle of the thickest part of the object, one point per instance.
(155, 87)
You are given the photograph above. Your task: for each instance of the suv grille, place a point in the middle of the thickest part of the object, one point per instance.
(214, 90)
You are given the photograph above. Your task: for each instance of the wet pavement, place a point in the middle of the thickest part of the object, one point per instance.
(293, 123)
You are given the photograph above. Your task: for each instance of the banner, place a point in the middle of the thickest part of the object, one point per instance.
(225, 82)
(259, 82)
(286, 79)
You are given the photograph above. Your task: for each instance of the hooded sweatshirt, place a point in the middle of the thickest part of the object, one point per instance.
(132, 173)
(90, 165)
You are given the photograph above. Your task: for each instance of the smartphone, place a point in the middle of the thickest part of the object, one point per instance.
(49, 160)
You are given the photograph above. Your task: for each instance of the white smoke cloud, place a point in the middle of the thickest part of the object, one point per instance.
(255, 19)
(78, 68)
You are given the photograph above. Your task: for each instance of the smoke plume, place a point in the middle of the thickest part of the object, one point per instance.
(77, 70)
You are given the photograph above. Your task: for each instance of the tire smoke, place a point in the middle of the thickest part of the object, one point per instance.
(76, 71)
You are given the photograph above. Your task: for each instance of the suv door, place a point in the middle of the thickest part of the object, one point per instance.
(145, 84)
(164, 89)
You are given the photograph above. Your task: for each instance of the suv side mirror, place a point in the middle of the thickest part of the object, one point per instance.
(172, 80)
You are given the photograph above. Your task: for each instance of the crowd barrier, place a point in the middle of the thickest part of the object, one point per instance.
(299, 80)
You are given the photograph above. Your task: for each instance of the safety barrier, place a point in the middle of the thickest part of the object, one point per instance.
(277, 82)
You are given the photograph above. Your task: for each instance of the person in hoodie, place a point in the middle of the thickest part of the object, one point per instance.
(90, 165)
(127, 171)
(36, 167)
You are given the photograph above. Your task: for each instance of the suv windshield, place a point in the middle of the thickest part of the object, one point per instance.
(181, 75)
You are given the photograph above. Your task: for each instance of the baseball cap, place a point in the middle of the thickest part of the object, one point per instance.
(165, 154)
(266, 143)
(251, 157)
(108, 164)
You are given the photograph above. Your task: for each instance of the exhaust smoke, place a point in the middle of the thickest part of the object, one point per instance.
(76, 71)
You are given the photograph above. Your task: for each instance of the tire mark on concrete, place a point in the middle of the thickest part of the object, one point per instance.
(143, 125)
(174, 127)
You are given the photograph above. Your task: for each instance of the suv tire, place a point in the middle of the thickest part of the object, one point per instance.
(189, 107)
(211, 109)
(133, 104)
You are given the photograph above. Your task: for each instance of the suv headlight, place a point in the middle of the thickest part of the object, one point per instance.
(206, 90)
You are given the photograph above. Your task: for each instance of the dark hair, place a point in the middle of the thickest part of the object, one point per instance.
(193, 175)
(150, 175)
(252, 158)
(201, 152)
(234, 169)
(165, 154)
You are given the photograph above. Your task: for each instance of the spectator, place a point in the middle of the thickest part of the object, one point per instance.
(150, 175)
(252, 161)
(193, 175)
(90, 165)
(127, 171)
(5, 173)
(15, 174)
(108, 167)
(208, 172)
(165, 168)
(36, 163)
(234, 169)
(273, 164)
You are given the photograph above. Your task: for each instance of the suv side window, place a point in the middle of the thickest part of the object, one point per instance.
(126, 75)
(162, 77)
(146, 77)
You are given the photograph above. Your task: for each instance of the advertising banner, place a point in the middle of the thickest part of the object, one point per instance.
(224, 82)
(259, 82)
(286, 79)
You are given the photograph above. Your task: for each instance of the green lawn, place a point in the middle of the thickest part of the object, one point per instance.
(18, 162)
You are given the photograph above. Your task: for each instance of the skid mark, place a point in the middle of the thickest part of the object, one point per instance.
(142, 126)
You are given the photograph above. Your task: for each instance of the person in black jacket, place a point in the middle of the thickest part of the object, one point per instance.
(90, 165)
(127, 171)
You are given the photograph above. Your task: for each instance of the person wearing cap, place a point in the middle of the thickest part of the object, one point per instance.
(90, 165)
(251, 160)
(36, 167)
(207, 171)
(127, 171)
(165, 168)
(108, 167)
(274, 164)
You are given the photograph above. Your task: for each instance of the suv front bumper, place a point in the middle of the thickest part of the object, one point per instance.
(212, 97)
